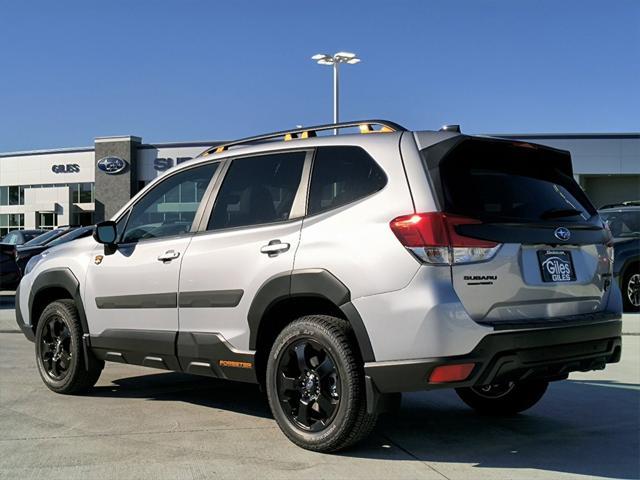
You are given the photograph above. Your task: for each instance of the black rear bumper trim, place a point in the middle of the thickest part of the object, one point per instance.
(566, 321)
(550, 354)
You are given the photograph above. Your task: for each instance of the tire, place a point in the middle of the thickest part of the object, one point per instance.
(315, 385)
(59, 353)
(503, 399)
(631, 289)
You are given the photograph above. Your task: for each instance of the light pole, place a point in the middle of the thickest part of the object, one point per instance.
(335, 60)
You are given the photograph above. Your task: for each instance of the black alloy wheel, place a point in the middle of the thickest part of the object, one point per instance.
(631, 289)
(494, 391)
(308, 385)
(55, 348)
(507, 398)
(315, 384)
(63, 365)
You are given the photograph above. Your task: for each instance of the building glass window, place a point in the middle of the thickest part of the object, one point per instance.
(14, 195)
(85, 193)
(10, 221)
(47, 220)
(82, 218)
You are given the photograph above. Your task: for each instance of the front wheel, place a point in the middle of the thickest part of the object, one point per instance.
(59, 354)
(315, 385)
(504, 398)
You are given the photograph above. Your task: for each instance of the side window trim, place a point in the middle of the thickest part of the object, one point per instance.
(127, 212)
(214, 183)
(210, 197)
(298, 209)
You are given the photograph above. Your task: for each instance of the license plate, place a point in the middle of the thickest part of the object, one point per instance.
(556, 266)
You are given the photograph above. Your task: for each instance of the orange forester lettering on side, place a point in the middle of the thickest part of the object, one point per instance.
(234, 364)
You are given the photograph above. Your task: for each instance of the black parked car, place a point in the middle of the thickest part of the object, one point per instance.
(47, 237)
(18, 237)
(624, 222)
(25, 252)
(9, 272)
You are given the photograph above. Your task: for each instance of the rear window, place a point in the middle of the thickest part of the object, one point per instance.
(623, 223)
(504, 181)
(342, 175)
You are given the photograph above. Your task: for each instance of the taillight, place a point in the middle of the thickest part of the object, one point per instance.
(433, 238)
(451, 373)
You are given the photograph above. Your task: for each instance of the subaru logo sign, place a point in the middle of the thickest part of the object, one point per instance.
(562, 233)
(112, 165)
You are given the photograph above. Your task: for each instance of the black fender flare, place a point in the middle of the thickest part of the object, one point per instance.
(314, 282)
(58, 278)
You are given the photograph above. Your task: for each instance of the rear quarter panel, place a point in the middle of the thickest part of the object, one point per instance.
(355, 242)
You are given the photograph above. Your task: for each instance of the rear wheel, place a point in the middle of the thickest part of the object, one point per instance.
(315, 385)
(504, 398)
(59, 354)
(631, 290)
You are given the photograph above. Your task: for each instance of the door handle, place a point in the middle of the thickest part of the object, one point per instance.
(275, 247)
(168, 256)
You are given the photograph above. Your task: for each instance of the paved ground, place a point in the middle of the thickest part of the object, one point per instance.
(144, 423)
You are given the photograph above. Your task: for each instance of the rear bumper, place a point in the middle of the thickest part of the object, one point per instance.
(542, 353)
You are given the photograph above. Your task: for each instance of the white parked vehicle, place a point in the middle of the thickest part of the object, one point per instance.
(338, 271)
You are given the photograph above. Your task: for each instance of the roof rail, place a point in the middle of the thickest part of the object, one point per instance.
(365, 126)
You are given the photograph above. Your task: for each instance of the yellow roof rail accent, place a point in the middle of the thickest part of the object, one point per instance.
(365, 128)
(220, 149)
(308, 134)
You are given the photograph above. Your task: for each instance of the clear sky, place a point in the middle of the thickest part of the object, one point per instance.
(201, 70)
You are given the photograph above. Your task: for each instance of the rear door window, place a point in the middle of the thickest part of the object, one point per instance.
(342, 175)
(503, 181)
(258, 190)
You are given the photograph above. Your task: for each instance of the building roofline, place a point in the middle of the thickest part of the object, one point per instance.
(210, 143)
(47, 151)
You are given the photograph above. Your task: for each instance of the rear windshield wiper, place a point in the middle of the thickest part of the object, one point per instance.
(560, 212)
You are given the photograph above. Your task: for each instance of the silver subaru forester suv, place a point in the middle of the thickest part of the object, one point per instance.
(337, 271)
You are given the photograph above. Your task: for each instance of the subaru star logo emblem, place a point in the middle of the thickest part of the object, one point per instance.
(112, 165)
(562, 233)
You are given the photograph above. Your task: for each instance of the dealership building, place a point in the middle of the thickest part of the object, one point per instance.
(80, 186)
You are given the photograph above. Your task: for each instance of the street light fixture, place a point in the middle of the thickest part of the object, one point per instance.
(335, 60)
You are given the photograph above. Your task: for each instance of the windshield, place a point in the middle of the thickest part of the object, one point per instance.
(72, 235)
(31, 235)
(623, 223)
(503, 182)
(42, 239)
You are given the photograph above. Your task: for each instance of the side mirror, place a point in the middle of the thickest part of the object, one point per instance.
(105, 232)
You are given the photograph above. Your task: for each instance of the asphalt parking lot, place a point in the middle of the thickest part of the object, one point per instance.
(144, 423)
